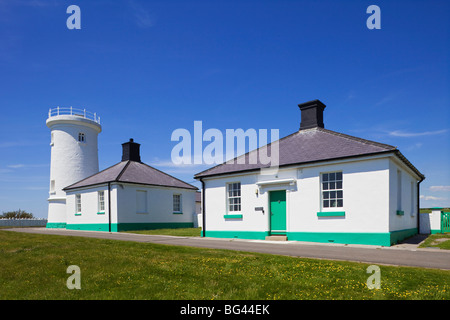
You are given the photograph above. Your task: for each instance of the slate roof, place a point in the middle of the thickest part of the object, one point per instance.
(132, 172)
(307, 146)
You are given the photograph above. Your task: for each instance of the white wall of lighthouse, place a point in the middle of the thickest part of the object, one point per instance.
(74, 155)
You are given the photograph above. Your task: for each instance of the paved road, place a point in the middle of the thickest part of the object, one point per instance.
(401, 255)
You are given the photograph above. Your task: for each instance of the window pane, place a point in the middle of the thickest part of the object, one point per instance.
(339, 185)
(325, 177)
(326, 195)
(325, 186)
(339, 194)
(326, 203)
(338, 175)
(332, 194)
(333, 203)
(332, 185)
(339, 202)
(332, 176)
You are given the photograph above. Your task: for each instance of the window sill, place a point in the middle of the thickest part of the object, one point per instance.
(233, 216)
(331, 214)
(400, 212)
(101, 212)
(178, 213)
(78, 214)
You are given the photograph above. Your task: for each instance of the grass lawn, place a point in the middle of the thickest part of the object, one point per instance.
(441, 241)
(180, 232)
(33, 266)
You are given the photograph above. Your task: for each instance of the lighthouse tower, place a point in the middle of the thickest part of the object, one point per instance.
(74, 155)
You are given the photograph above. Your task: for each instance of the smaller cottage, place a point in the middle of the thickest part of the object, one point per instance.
(130, 195)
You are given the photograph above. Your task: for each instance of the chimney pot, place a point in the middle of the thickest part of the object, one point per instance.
(311, 114)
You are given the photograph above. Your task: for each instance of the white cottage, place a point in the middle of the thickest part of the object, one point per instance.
(329, 187)
(130, 196)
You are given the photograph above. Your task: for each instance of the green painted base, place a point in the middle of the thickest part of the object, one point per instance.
(117, 227)
(380, 239)
(56, 225)
(255, 235)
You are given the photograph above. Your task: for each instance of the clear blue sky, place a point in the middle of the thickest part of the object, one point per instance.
(150, 67)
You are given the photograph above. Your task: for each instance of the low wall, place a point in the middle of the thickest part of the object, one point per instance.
(23, 222)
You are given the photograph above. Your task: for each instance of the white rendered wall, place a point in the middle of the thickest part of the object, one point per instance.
(90, 213)
(123, 205)
(71, 160)
(408, 205)
(365, 189)
(159, 204)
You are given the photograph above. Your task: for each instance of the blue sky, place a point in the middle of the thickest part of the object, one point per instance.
(150, 67)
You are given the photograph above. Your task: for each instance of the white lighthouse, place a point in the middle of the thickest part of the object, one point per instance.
(74, 155)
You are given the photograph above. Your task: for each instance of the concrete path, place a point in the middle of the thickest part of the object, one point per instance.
(405, 254)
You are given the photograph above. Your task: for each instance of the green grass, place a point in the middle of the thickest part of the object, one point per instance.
(33, 266)
(438, 241)
(428, 210)
(180, 232)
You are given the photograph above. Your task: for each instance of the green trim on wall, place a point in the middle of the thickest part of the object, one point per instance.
(88, 226)
(400, 212)
(57, 225)
(232, 216)
(78, 214)
(255, 235)
(369, 238)
(399, 235)
(178, 213)
(101, 212)
(436, 231)
(331, 214)
(375, 238)
(117, 227)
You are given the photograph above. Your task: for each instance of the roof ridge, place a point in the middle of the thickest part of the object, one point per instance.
(243, 155)
(122, 171)
(357, 139)
(167, 174)
(69, 186)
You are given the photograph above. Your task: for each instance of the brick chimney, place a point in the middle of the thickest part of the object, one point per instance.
(312, 114)
(130, 151)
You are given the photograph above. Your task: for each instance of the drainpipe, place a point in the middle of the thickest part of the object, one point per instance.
(203, 208)
(109, 206)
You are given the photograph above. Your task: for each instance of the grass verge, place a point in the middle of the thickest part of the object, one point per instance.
(441, 241)
(34, 266)
(179, 232)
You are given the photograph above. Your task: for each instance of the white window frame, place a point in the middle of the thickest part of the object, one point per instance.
(399, 190)
(332, 189)
(176, 199)
(234, 197)
(78, 204)
(101, 201)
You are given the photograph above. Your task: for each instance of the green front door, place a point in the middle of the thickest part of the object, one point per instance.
(277, 201)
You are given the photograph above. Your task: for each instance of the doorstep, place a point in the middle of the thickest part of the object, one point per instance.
(277, 238)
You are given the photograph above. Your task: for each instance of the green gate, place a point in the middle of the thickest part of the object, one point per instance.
(445, 222)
